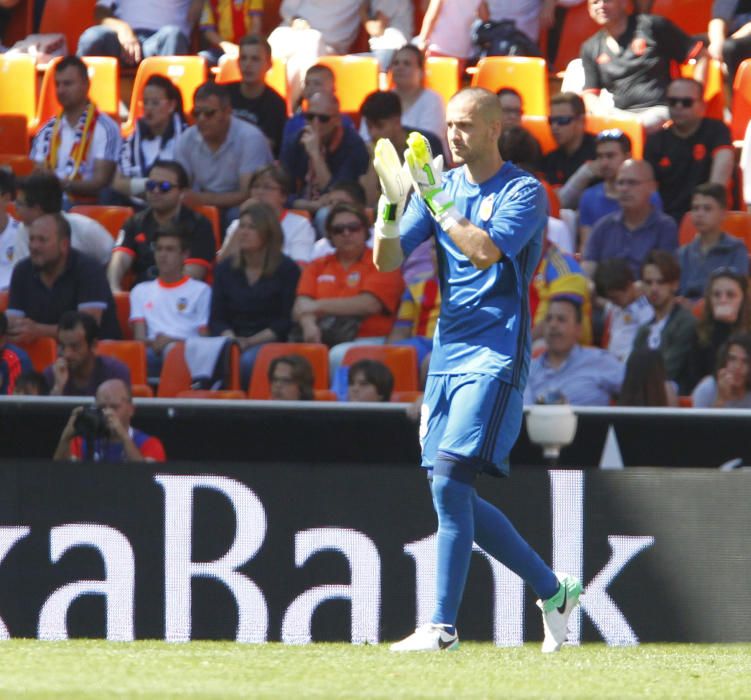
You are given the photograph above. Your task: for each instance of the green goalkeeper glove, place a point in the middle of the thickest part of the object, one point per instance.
(395, 184)
(426, 175)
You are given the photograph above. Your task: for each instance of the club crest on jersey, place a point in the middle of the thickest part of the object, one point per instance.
(486, 207)
(182, 303)
(639, 46)
(353, 279)
(9, 253)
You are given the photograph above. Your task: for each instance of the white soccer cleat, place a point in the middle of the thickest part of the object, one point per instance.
(557, 610)
(429, 637)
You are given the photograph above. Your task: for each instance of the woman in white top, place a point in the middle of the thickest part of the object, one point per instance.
(270, 185)
(422, 108)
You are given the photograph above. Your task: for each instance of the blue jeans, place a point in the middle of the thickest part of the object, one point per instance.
(103, 41)
(247, 360)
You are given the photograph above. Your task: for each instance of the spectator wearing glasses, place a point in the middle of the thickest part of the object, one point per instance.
(134, 250)
(672, 329)
(270, 185)
(637, 228)
(326, 151)
(693, 150)
(631, 58)
(291, 378)
(575, 145)
(612, 149)
(342, 299)
(153, 139)
(712, 248)
(220, 153)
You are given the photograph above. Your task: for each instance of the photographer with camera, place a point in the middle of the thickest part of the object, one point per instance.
(102, 433)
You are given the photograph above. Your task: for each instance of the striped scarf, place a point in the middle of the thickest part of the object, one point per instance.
(84, 135)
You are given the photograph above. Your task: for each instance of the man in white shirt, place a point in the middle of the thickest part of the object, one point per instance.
(12, 247)
(134, 29)
(173, 306)
(80, 145)
(41, 194)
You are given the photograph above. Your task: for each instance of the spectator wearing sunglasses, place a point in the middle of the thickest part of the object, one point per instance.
(323, 153)
(575, 145)
(693, 150)
(712, 248)
(220, 153)
(134, 250)
(630, 58)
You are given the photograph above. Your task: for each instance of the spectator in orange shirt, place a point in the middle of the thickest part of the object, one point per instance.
(342, 300)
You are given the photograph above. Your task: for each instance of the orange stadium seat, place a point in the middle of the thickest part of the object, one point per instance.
(231, 394)
(20, 24)
(110, 216)
(442, 75)
(186, 72)
(104, 88)
(527, 75)
(316, 353)
(3, 299)
(324, 395)
(405, 396)
(554, 204)
(14, 134)
(212, 214)
(538, 126)
(175, 376)
(578, 26)
(741, 100)
(18, 80)
(355, 76)
(70, 17)
(631, 126)
(229, 70)
(400, 359)
(736, 223)
(692, 16)
(130, 352)
(20, 165)
(122, 310)
(42, 352)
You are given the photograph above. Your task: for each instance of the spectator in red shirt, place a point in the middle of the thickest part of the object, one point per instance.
(116, 440)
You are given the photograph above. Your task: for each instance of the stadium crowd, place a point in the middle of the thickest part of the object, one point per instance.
(242, 251)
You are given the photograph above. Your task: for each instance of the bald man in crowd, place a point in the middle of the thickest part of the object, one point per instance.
(326, 151)
(637, 228)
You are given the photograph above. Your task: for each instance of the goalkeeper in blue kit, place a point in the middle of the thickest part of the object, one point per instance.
(488, 218)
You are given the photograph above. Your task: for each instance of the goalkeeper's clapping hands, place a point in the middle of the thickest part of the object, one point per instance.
(395, 184)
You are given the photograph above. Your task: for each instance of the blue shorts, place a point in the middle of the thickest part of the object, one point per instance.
(472, 416)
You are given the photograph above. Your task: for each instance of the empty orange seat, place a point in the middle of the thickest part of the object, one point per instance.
(741, 100)
(400, 359)
(18, 80)
(42, 352)
(130, 352)
(527, 75)
(71, 17)
(20, 165)
(175, 375)
(442, 75)
(316, 353)
(122, 309)
(111, 217)
(14, 134)
(355, 78)
(186, 72)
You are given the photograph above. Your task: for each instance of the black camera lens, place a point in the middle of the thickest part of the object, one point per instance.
(91, 423)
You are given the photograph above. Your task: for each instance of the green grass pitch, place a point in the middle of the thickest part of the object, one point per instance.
(99, 669)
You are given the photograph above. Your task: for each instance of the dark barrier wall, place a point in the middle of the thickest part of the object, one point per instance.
(340, 433)
(323, 552)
